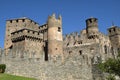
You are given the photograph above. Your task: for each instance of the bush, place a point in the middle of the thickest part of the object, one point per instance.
(2, 68)
(110, 77)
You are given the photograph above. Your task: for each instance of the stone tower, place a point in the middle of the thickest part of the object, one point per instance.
(114, 35)
(92, 27)
(55, 41)
(13, 25)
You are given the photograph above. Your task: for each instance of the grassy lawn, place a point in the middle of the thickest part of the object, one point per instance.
(13, 77)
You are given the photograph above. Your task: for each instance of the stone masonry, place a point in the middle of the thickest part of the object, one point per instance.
(42, 52)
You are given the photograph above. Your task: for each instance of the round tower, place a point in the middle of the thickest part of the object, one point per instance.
(92, 27)
(55, 41)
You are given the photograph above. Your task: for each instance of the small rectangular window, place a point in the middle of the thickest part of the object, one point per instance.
(38, 33)
(33, 32)
(80, 52)
(23, 20)
(16, 20)
(105, 49)
(70, 52)
(110, 31)
(114, 29)
(59, 29)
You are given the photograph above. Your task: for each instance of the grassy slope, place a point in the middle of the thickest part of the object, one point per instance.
(13, 77)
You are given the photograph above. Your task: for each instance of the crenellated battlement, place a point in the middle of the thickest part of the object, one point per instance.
(92, 22)
(26, 33)
(54, 17)
(21, 20)
(28, 43)
(53, 21)
(114, 35)
(114, 30)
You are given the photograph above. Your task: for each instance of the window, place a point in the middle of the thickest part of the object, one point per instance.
(114, 29)
(16, 20)
(112, 51)
(79, 42)
(33, 32)
(59, 29)
(67, 44)
(70, 52)
(118, 49)
(38, 33)
(23, 20)
(110, 31)
(10, 21)
(105, 49)
(90, 20)
(80, 52)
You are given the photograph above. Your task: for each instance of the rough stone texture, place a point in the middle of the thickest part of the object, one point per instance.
(114, 34)
(74, 68)
(44, 53)
(55, 40)
(15, 25)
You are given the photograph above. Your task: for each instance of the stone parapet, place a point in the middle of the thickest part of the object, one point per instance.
(26, 33)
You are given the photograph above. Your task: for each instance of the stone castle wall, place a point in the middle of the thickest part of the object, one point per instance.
(74, 67)
(32, 50)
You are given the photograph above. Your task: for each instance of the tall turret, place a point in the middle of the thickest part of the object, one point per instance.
(55, 41)
(114, 35)
(92, 27)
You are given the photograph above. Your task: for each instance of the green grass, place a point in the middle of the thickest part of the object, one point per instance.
(13, 77)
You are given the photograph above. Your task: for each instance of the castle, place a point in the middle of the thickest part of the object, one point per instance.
(24, 35)
(26, 40)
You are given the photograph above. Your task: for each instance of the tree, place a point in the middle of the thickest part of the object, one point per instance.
(111, 66)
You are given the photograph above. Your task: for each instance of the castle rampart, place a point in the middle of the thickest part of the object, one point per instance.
(43, 49)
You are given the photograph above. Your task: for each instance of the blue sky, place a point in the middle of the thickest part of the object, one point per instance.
(74, 13)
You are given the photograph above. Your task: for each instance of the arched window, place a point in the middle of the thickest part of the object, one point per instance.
(105, 49)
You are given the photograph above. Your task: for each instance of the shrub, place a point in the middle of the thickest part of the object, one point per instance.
(2, 68)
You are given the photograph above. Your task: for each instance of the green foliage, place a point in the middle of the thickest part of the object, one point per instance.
(2, 68)
(13, 77)
(111, 66)
(110, 77)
